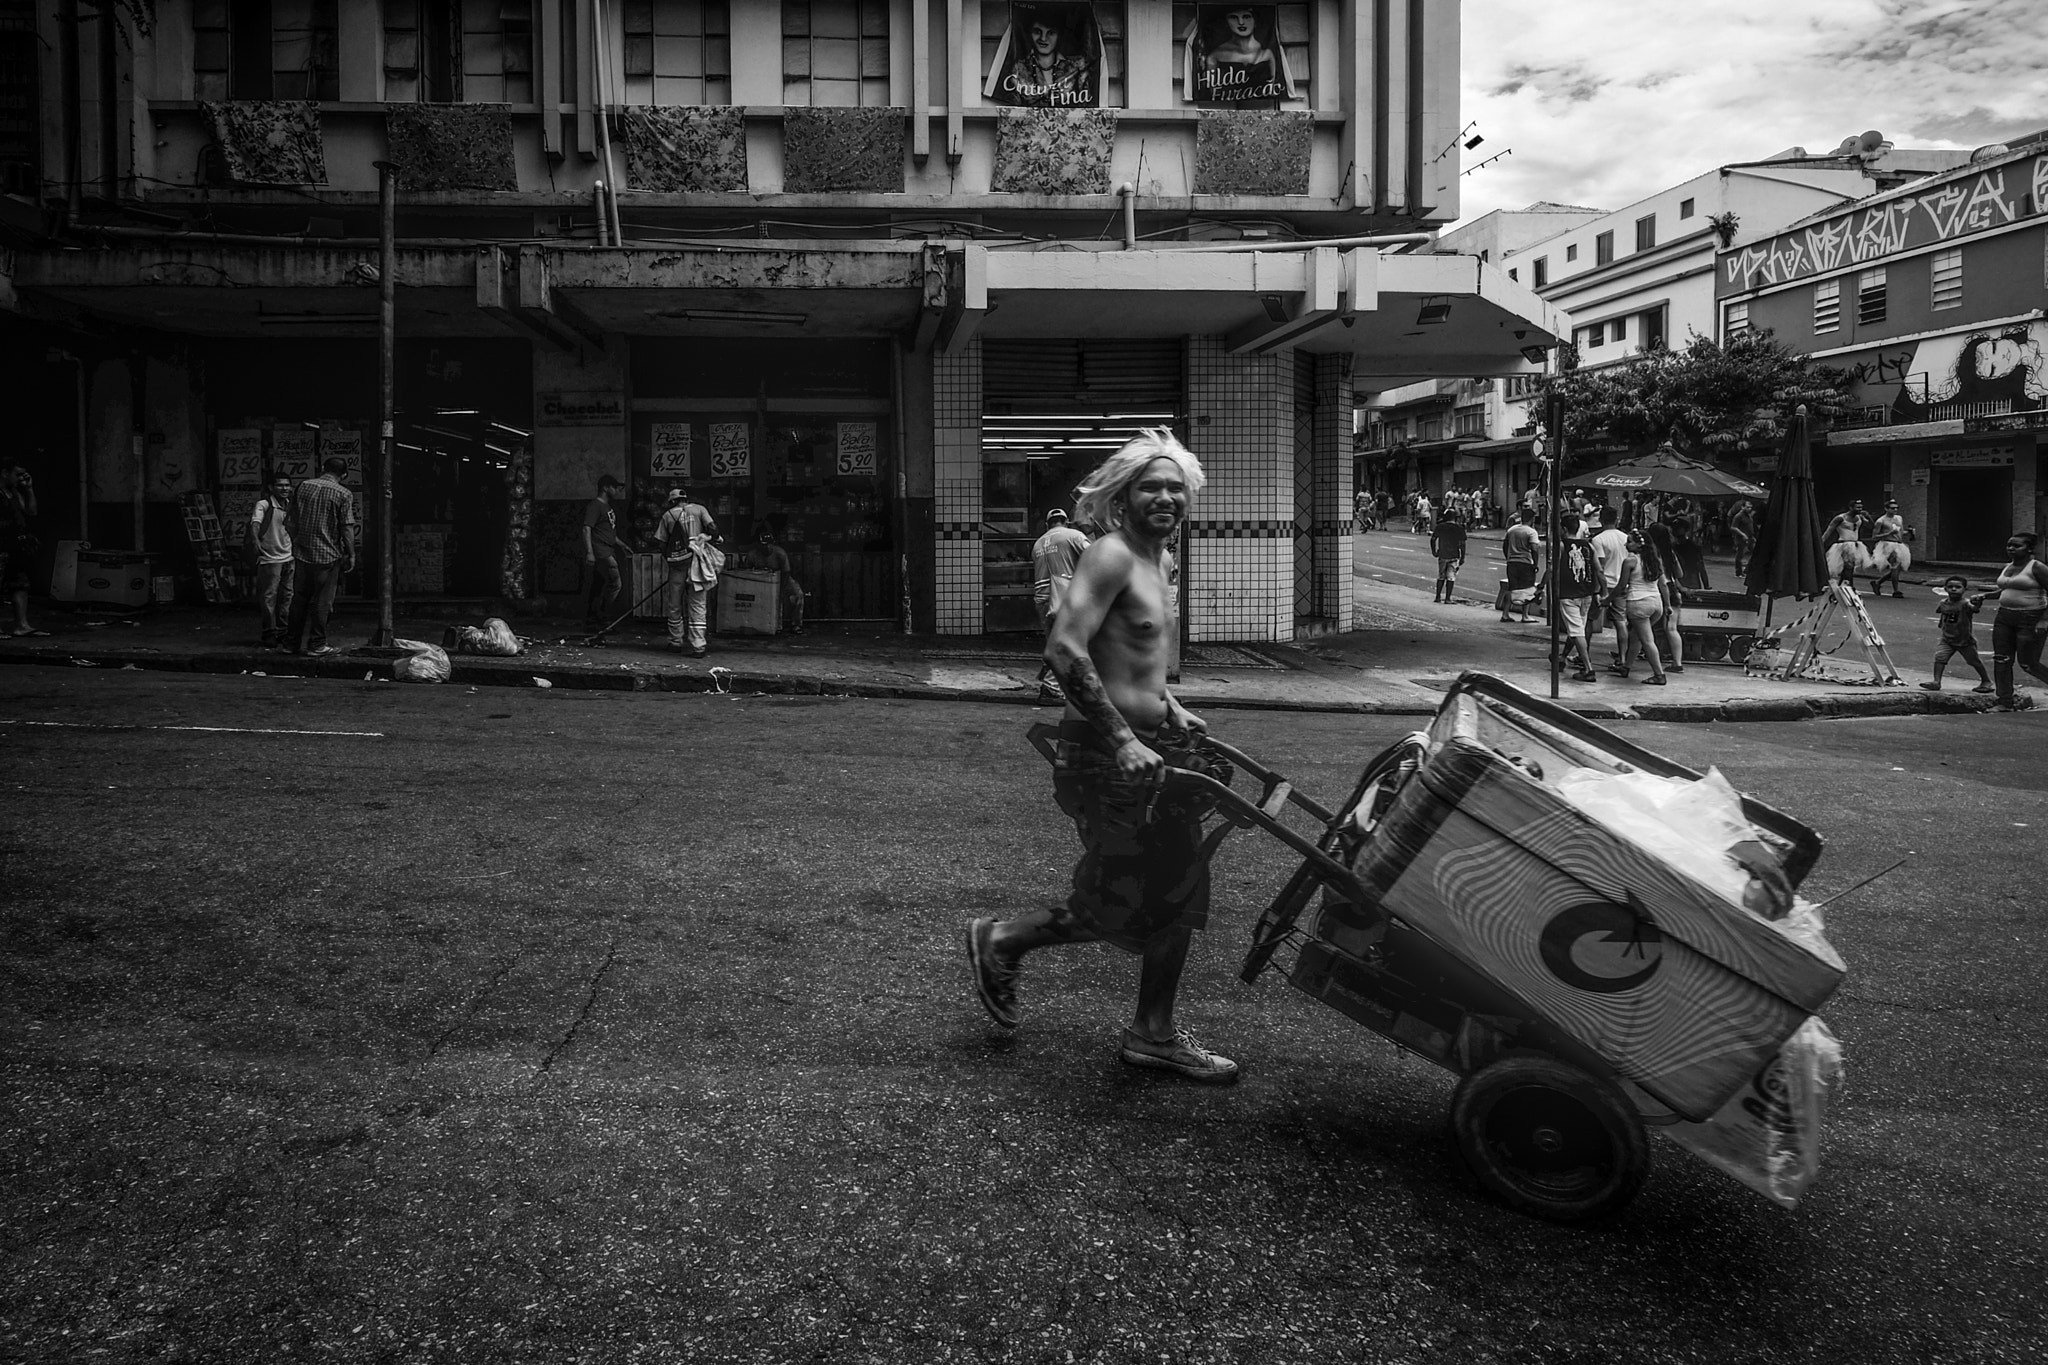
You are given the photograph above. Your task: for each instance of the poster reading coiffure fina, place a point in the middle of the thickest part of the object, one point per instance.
(1050, 57)
(1233, 56)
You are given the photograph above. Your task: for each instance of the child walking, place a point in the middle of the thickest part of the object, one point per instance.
(1957, 614)
(1447, 543)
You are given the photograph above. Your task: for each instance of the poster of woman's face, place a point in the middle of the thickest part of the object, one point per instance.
(1236, 55)
(1051, 57)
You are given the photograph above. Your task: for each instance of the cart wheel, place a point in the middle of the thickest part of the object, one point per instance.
(1739, 647)
(1713, 648)
(1550, 1139)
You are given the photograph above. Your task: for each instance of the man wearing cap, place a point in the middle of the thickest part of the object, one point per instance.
(686, 535)
(601, 554)
(1052, 568)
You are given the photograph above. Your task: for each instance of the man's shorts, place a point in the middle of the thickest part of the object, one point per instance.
(1521, 582)
(1141, 875)
(1571, 611)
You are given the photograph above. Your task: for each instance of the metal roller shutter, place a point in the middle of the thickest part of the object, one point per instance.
(1081, 376)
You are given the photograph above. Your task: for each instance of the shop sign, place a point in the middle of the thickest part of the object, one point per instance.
(240, 452)
(1921, 476)
(294, 453)
(1049, 57)
(1986, 457)
(1231, 54)
(669, 450)
(591, 409)
(2036, 420)
(1761, 464)
(856, 448)
(732, 450)
(347, 444)
(237, 505)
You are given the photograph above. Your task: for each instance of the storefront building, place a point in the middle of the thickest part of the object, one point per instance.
(871, 274)
(1934, 296)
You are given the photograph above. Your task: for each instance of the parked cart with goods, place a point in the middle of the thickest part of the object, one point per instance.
(1599, 942)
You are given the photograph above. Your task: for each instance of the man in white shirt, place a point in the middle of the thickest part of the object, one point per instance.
(1611, 545)
(270, 552)
(1053, 558)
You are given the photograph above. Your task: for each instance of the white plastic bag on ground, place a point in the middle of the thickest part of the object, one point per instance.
(498, 639)
(425, 664)
(1768, 1135)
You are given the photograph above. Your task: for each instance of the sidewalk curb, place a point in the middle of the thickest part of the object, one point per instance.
(478, 672)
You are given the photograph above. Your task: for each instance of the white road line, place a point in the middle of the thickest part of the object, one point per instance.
(197, 729)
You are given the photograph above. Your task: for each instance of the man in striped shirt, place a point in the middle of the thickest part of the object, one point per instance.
(322, 524)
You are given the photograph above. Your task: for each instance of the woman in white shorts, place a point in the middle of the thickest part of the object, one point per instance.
(1642, 599)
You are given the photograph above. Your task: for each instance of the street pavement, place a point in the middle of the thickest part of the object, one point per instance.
(1399, 663)
(351, 1021)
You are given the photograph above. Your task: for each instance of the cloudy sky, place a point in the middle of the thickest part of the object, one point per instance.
(1606, 101)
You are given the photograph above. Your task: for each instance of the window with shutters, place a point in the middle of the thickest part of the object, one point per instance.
(1603, 249)
(1469, 421)
(1595, 336)
(265, 49)
(835, 53)
(1646, 232)
(1540, 272)
(678, 52)
(1653, 329)
(458, 51)
(1870, 296)
(1734, 321)
(1619, 328)
(1946, 278)
(1571, 252)
(1827, 305)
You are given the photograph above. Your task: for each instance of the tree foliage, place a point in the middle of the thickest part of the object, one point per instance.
(1705, 399)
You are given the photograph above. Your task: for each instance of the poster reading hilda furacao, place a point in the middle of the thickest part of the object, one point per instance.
(1232, 55)
(1050, 57)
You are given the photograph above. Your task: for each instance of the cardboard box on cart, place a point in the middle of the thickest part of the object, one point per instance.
(1679, 989)
(749, 602)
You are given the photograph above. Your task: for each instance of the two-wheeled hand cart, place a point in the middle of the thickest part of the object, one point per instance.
(1584, 990)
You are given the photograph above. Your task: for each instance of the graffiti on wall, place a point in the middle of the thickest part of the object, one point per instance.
(2008, 365)
(1965, 205)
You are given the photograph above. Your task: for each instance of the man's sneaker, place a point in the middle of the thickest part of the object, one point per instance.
(321, 651)
(995, 980)
(1984, 687)
(2022, 702)
(1585, 675)
(1181, 1055)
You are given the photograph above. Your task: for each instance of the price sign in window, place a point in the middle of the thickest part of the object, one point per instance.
(856, 448)
(294, 452)
(347, 443)
(669, 450)
(732, 450)
(241, 456)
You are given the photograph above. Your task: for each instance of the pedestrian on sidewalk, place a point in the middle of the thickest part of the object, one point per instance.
(1447, 543)
(2020, 627)
(687, 535)
(18, 540)
(1642, 602)
(1688, 544)
(1742, 530)
(270, 556)
(1665, 541)
(321, 522)
(1610, 546)
(1424, 517)
(1053, 557)
(601, 544)
(1957, 613)
(1579, 587)
(1142, 883)
(1889, 552)
(1520, 548)
(1844, 542)
(1361, 512)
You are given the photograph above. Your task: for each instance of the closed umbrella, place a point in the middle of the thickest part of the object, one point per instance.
(1666, 471)
(1788, 560)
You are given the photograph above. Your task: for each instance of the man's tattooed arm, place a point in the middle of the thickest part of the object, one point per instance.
(1091, 699)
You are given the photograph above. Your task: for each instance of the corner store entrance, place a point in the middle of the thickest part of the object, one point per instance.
(1051, 410)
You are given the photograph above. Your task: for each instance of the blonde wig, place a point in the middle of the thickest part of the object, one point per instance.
(1100, 499)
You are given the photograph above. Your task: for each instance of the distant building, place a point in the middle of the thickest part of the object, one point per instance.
(1932, 294)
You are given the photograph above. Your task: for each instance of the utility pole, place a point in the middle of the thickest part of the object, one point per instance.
(1553, 487)
(387, 346)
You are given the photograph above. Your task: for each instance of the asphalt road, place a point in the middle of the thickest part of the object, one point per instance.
(364, 1022)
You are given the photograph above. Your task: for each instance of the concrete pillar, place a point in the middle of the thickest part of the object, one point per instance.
(956, 489)
(1332, 529)
(1238, 582)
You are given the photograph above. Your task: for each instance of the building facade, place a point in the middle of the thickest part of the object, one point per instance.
(885, 275)
(1934, 296)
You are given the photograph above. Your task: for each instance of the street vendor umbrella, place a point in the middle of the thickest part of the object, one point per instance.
(1664, 470)
(1788, 560)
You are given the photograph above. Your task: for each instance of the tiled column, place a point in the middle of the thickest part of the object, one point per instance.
(956, 490)
(1239, 580)
(1333, 527)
